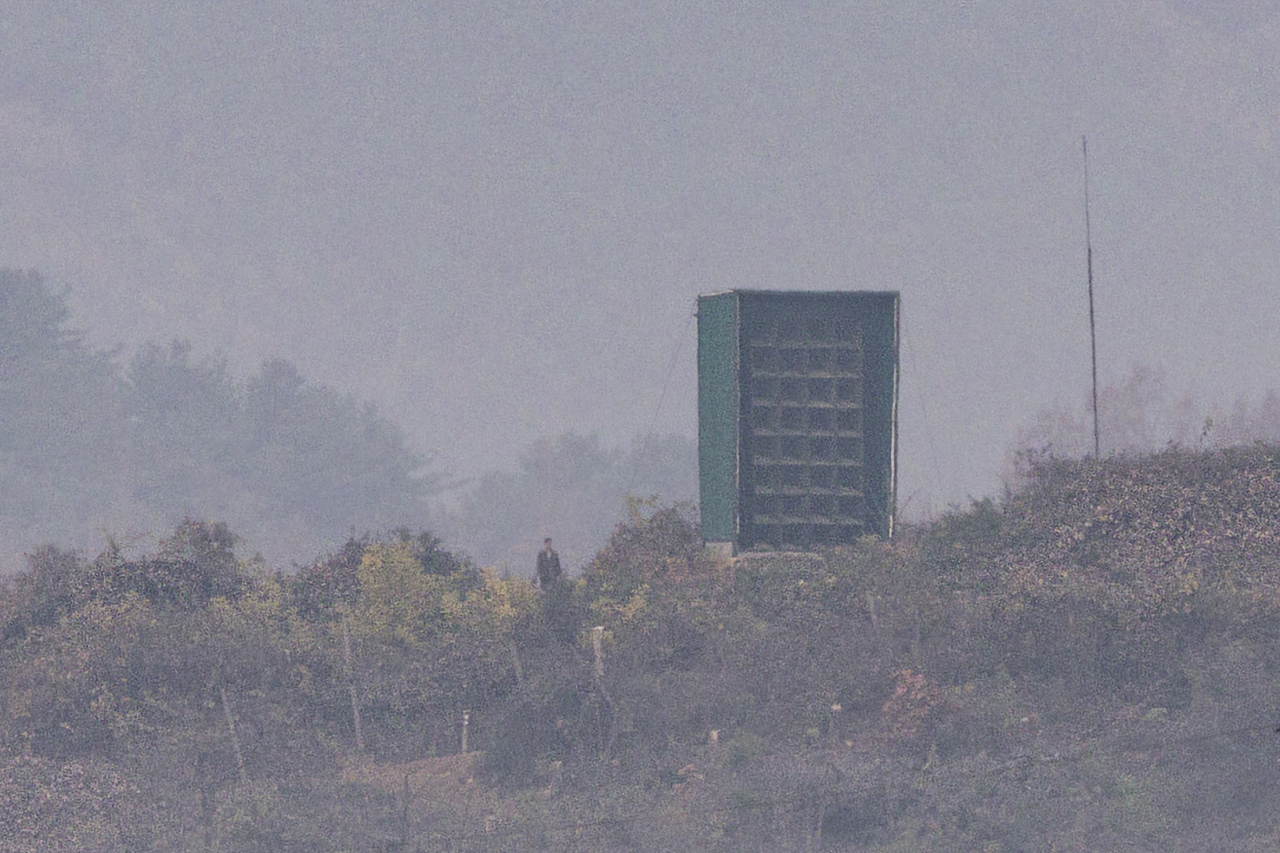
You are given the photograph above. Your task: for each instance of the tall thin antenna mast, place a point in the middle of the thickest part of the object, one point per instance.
(1093, 337)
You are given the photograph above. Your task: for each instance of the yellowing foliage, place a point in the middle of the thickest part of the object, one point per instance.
(401, 602)
(398, 601)
(492, 610)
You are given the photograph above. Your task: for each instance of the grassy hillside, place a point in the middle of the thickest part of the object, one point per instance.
(1087, 664)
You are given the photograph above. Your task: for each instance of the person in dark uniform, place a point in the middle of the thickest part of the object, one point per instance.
(557, 601)
(548, 567)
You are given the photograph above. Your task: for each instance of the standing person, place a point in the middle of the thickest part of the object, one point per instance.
(548, 566)
(557, 600)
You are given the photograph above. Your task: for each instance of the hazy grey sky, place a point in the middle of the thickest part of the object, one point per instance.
(493, 219)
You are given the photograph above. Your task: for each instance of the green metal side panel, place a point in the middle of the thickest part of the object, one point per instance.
(718, 407)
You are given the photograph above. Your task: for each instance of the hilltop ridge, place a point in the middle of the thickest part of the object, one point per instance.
(1087, 663)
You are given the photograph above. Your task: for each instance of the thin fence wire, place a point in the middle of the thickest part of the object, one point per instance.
(781, 807)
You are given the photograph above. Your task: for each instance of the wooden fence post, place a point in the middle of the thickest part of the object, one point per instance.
(231, 727)
(351, 684)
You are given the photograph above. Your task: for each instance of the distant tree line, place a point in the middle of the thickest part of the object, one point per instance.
(573, 488)
(88, 443)
(1142, 413)
(93, 446)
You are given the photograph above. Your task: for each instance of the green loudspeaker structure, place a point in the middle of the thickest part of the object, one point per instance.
(797, 417)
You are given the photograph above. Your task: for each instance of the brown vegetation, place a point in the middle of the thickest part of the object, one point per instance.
(1088, 664)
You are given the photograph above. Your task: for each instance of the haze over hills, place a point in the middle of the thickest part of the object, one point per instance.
(107, 456)
(493, 222)
(330, 258)
(97, 453)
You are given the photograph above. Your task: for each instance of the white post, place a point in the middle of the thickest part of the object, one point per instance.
(231, 727)
(466, 722)
(597, 638)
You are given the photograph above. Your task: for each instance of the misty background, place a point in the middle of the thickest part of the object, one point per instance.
(491, 222)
